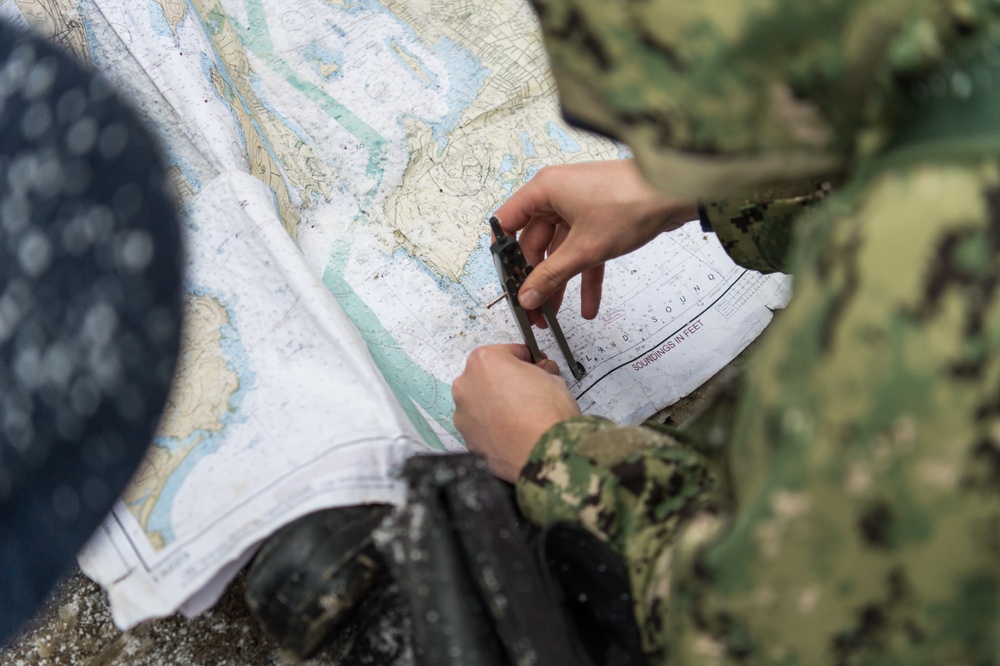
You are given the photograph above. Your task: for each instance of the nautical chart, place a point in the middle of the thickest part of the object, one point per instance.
(335, 162)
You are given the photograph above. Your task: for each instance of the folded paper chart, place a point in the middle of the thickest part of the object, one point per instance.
(336, 162)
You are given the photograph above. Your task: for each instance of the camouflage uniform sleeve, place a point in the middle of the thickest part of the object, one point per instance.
(757, 228)
(631, 486)
(861, 523)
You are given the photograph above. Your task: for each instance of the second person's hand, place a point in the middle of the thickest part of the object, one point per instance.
(574, 217)
(504, 403)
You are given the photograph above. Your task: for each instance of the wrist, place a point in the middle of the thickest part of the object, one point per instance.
(672, 214)
(559, 440)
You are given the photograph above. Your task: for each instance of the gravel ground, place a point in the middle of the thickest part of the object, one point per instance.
(75, 629)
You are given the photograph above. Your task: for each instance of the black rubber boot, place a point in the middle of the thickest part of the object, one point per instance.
(596, 595)
(313, 573)
(463, 561)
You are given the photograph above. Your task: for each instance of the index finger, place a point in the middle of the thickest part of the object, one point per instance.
(515, 213)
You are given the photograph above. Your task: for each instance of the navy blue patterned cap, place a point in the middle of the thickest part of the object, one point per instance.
(90, 310)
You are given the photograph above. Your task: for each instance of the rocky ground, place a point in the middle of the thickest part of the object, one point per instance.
(76, 629)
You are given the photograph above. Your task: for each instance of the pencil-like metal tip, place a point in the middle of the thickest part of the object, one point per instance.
(497, 229)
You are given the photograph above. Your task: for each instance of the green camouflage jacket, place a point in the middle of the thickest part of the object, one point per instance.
(854, 515)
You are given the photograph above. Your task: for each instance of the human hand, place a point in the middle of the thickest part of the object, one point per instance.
(504, 403)
(574, 217)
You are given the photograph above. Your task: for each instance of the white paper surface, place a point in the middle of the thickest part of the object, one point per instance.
(289, 415)
(672, 315)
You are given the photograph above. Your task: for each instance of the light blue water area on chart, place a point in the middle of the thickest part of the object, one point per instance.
(408, 381)
(208, 441)
(567, 143)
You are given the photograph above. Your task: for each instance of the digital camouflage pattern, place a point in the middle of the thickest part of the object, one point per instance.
(722, 96)
(863, 521)
(756, 228)
(854, 515)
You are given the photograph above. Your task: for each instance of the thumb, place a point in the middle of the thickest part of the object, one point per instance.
(549, 276)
